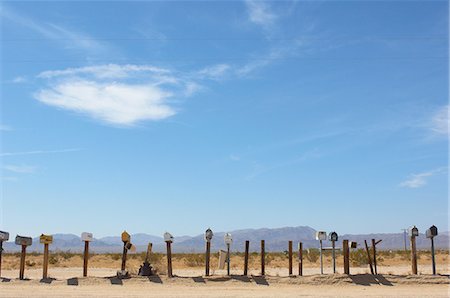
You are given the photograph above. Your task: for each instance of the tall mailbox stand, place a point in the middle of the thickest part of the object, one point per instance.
(208, 237)
(86, 238)
(247, 246)
(321, 235)
(333, 237)
(228, 240)
(46, 240)
(431, 233)
(168, 238)
(127, 246)
(24, 242)
(4, 236)
(413, 232)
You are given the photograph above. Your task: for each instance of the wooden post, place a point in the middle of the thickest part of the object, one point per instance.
(290, 257)
(263, 258)
(228, 259)
(247, 246)
(169, 259)
(124, 257)
(413, 255)
(1, 252)
(346, 253)
(45, 264)
(433, 260)
(374, 256)
(22, 261)
(300, 259)
(207, 257)
(86, 257)
(369, 259)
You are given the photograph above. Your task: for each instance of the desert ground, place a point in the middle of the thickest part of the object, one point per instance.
(65, 277)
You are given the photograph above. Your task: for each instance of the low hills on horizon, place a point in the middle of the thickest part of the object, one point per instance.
(275, 240)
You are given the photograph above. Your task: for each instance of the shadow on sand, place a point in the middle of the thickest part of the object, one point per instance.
(260, 280)
(368, 279)
(47, 280)
(72, 281)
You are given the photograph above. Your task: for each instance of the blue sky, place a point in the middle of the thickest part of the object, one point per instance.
(178, 116)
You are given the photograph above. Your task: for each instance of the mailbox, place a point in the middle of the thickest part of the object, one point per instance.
(413, 231)
(353, 244)
(432, 231)
(130, 247)
(21, 240)
(333, 236)
(208, 235)
(126, 237)
(87, 237)
(4, 236)
(168, 237)
(228, 239)
(46, 239)
(321, 235)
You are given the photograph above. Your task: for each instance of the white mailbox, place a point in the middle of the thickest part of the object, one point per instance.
(21, 240)
(413, 231)
(168, 237)
(228, 239)
(432, 232)
(208, 235)
(4, 236)
(321, 235)
(87, 237)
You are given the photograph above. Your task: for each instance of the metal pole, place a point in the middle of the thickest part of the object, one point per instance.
(22, 261)
(247, 246)
(321, 258)
(86, 257)
(334, 255)
(207, 254)
(45, 265)
(432, 256)
(228, 259)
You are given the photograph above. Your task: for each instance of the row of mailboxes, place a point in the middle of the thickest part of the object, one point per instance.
(430, 233)
(322, 235)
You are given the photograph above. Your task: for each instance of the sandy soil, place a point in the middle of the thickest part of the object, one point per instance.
(66, 282)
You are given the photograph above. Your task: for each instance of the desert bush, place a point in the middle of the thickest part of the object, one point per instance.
(358, 257)
(312, 255)
(30, 263)
(53, 260)
(194, 260)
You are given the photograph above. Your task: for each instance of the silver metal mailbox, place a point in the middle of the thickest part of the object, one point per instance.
(21, 240)
(87, 236)
(227, 238)
(432, 232)
(321, 235)
(333, 236)
(168, 237)
(208, 235)
(413, 231)
(4, 236)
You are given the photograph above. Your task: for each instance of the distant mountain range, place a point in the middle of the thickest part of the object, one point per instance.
(275, 240)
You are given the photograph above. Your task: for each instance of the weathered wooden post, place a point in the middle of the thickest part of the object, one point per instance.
(374, 244)
(24, 242)
(431, 233)
(369, 258)
(127, 246)
(247, 247)
(168, 238)
(46, 240)
(146, 268)
(321, 235)
(346, 253)
(228, 240)
(4, 236)
(333, 237)
(263, 258)
(413, 233)
(208, 236)
(86, 237)
(290, 257)
(300, 259)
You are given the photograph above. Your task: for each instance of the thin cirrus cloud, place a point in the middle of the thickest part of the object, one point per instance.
(421, 179)
(114, 94)
(21, 169)
(259, 12)
(440, 121)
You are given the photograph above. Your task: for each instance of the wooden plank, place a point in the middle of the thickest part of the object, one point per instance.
(86, 257)
(169, 259)
(290, 257)
(369, 259)
(22, 261)
(374, 256)
(263, 258)
(45, 264)
(413, 255)
(346, 253)
(300, 259)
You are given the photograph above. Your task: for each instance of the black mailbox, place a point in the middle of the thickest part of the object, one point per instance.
(432, 231)
(333, 236)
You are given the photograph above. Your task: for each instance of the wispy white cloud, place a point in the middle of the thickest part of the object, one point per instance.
(19, 79)
(420, 180)
(39, 152)
(121, 95)
(440, 121)
(21, 169)
(235, 157)
(214, 72)
(5, 127)
(260, 13)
